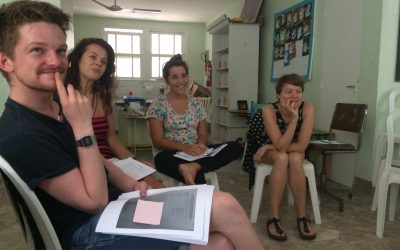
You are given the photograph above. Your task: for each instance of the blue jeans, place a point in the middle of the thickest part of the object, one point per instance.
(85, 237)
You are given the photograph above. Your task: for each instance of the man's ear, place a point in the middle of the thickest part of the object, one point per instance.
(6, 63)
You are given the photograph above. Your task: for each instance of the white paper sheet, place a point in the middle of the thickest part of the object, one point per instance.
(134, 168)
(209, 153)
(326, 142)
(199, 235)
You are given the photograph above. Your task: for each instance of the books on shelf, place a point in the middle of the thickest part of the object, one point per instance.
(209, 153)
(185, 214)
(133, 168)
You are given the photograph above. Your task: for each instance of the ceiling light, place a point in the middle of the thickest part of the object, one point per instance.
(146, 11)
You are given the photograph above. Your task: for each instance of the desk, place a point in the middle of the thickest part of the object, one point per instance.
(134, 132)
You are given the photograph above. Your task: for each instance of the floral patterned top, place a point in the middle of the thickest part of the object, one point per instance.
(181, 128)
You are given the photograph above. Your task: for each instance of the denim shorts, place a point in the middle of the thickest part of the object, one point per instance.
(85, 237)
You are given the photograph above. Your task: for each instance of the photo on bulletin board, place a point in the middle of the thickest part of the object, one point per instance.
(292, 41)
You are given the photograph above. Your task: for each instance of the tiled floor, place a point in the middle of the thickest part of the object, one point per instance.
(352, 229)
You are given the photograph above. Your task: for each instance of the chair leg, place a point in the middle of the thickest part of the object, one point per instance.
(312, 186)
(261, 173)
(382, 197)
(394, 192)
(376, 192)
(213, 178)
(323, 184)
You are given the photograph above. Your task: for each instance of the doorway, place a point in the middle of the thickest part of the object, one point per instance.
(341, 42)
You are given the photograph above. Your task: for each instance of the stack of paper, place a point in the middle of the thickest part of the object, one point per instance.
(326, 142)
(185, 214)
(209, 153)
(133, 168)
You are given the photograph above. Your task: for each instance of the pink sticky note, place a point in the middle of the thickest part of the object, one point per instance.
(148, 212)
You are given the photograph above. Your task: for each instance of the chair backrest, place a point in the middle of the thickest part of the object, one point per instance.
(255, 107)
(349, 117)
(206, 101)
(394, 94)
(33, 218)
(392, 123)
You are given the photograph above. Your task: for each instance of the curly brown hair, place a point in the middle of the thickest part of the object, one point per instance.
(105, 86)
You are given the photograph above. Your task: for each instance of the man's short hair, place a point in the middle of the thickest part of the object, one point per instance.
(17, 13)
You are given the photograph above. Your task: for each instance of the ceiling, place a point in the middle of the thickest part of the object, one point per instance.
(201, 11)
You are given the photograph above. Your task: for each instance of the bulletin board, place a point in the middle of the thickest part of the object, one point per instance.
(292, 41)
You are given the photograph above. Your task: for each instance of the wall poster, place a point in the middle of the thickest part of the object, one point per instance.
(293, 36)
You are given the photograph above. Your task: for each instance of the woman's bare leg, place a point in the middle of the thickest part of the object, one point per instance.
(230, 226)
(297, 182)
(215, 241)
(277, 179)
(189, 172)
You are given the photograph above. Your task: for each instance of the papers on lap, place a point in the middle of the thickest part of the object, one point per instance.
(185, 215)
(209, 153)
(133, 168)
(326, 142)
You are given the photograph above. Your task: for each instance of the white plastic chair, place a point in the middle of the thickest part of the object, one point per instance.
(38, 230)
(379, 150)
(389, 175)
(263, 170)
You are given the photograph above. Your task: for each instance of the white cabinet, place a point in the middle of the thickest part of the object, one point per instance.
(235, 56)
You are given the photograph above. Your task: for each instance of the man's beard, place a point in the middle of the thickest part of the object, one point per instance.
(47, 87)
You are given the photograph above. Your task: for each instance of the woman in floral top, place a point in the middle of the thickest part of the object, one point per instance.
(177, 122)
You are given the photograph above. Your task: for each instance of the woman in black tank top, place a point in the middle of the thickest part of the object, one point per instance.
(288, 123)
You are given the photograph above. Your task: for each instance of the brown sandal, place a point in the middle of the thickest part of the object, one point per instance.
(281, 234)
(305, 222)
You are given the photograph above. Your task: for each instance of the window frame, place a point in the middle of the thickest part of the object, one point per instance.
(146, 50)
(159, 55)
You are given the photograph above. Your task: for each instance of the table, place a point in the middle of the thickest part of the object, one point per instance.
(138, 132)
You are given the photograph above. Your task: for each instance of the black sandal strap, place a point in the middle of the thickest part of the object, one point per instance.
(305, 223)
(277, 225)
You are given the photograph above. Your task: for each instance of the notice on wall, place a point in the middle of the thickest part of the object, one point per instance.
(292, 45)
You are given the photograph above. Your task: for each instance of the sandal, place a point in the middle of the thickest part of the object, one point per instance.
(281, 234)
(306, 235)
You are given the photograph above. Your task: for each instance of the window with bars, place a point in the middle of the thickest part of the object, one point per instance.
(132, 56)
(128, 51)
(163, 47)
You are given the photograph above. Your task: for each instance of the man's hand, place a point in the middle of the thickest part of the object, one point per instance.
(76, 108)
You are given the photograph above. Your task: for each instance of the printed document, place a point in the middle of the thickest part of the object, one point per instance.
(326, 142)
(133, 168)
(185, 214)
(209, 153)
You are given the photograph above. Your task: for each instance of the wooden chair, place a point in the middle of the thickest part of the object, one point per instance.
(346, 117)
